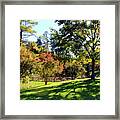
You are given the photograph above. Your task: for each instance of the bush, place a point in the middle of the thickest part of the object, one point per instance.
(26, 79)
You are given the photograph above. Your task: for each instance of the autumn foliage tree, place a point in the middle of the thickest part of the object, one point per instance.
(47, 66)
(26, 58)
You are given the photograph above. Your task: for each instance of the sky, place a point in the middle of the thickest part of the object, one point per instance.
(42, 26)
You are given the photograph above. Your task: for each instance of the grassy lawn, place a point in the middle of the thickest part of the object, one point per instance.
(79, 89)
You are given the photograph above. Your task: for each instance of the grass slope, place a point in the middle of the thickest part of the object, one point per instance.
(82, 89)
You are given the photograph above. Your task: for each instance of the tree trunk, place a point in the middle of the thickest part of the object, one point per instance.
(88, 70)
(93, 61)
(21, 34)
(93, 69)
(64, 72)
(45, 82)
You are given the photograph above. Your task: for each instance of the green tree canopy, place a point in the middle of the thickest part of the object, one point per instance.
(26, 28)
(76, 37)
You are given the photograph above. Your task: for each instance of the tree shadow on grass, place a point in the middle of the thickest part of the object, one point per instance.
(75, 90)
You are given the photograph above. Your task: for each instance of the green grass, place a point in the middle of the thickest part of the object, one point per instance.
(79, 89)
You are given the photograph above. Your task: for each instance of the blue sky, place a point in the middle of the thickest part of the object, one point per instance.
(45, 25)
(42, 26)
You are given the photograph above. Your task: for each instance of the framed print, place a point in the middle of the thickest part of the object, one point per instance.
(60, 59)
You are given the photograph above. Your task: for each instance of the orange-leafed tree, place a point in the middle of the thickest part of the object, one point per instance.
(26, 61)
(47, 66)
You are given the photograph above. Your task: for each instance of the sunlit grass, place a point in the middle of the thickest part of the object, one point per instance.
(79, 89)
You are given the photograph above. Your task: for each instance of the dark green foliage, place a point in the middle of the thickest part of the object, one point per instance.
(75, 38)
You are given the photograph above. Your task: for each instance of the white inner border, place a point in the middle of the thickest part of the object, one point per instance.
(13, 105)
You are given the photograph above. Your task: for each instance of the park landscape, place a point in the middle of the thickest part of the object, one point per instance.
(59, 60)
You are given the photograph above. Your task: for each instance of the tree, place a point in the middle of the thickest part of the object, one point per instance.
(39, 41)
(73, 69)
(46, 66)
(76, 37)
(26, 58)
(26, 28)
